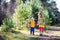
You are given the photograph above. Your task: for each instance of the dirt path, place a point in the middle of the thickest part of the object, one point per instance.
(50, 35)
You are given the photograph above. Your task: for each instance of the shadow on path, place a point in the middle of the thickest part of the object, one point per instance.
(1, 37)
(46, 37)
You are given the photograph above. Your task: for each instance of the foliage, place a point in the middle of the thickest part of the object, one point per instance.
(25, 11)
(7, 24)
(19, 2)
(37, 7)
(51, 11)
(34, 12)
(46, 16)
(22, 14)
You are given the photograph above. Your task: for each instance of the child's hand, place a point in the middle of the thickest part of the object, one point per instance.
(28, 25)
(37, 24)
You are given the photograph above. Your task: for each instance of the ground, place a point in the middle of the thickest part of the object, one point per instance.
(53, 33)
(25, 35)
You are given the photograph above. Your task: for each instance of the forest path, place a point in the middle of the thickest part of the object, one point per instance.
(47, 35)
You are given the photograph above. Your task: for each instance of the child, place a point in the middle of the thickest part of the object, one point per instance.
(32, 25)
(41, 23)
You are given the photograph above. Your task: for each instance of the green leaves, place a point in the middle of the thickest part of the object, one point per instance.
(22, 14)
(19, 2)
(7, 24)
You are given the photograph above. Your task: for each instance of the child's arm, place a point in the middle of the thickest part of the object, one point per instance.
(44, 22)
(29, 24)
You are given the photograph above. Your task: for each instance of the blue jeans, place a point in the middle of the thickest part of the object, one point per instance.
(31, 30)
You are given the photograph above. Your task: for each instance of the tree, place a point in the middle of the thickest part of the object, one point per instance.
(19, 2)
(52, 10)
(37, 6)
(22, 14)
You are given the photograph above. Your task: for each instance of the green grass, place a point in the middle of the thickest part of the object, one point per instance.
(15, 36)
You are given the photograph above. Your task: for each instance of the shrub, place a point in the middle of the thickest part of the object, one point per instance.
(7, 24)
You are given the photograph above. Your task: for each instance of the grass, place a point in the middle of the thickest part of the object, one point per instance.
(15, 36)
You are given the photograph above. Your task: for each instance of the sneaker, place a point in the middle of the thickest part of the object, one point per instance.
(40, 34)
(33, 34)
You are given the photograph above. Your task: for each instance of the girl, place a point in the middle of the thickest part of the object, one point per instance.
(41, 23)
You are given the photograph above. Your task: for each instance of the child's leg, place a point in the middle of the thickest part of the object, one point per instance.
(33, 31)
(30, 30)
(41, 30)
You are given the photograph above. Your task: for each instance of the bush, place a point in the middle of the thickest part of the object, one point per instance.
(7, 24)
(22, 15)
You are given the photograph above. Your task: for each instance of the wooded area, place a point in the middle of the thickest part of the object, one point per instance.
(15, 14)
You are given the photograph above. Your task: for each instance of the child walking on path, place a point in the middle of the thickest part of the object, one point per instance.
(32, 26)
(41, 23)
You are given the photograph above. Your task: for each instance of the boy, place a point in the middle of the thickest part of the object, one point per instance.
(32, 25)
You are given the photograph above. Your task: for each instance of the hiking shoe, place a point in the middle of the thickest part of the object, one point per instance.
(40, 34)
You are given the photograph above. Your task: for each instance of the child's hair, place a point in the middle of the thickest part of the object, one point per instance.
(32, 18)
(41, 15)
